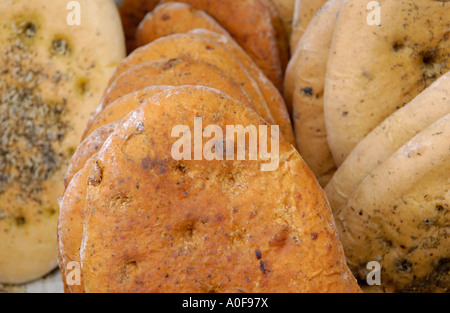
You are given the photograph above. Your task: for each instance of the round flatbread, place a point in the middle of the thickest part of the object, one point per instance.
(304, 86)
(271, 94)
(282, 39)
(241, 242)
(70, 226)
(307, 71)
(375, 70)
(174, 18)
(199, 48)
(398, 216)
(321, 28)
(388, 137)
(53, 74)
(175, 72)
(304, 11)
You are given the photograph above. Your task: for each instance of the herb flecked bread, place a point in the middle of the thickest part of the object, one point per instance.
(52, 77)
(398, 216)
(428, 107)
(375, 70)
(305, 84)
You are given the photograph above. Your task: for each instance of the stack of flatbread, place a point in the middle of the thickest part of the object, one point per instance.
(369, 86)
(138, 218)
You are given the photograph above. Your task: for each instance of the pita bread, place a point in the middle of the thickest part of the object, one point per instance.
(286, 10)
(176, 72)
(201, 49)
(271, 95)
(278, 244)
(53, 76)
(71, 215)
(305, 81)
(398, 216)
(86, 149)
(428, 107)
(374, 71)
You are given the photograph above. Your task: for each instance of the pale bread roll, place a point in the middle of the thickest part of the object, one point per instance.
(375, 70)
(320, 33)
(305, 82)
(388, 137)
(398, 216)
(53, 76)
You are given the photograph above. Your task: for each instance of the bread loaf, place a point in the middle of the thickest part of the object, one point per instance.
(55, 63)
(203, 226)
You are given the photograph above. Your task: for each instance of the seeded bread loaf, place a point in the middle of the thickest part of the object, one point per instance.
(53, 73)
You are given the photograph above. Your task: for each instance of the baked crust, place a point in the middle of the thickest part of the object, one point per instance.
(215, 232)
